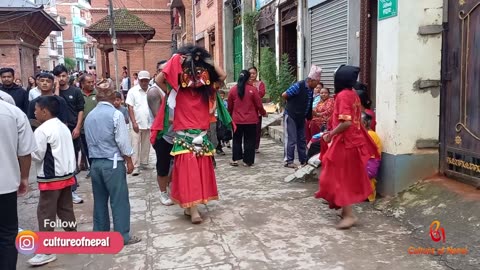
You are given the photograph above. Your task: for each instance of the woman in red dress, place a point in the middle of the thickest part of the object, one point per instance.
(261, 92)
(193, 177)
(343, 180)
(322, 112)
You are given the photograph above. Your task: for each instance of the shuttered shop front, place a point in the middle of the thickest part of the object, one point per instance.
(329, 37)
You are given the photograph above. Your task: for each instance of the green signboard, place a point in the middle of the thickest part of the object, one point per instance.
(387, 9)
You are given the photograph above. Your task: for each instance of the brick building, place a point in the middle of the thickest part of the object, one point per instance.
(181, 25)
(209, 27)
(154, 13)
(51, 51)
(21, 36)
(76, 44)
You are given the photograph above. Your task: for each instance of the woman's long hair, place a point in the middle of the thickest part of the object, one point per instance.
(242, 82)
(31, 85)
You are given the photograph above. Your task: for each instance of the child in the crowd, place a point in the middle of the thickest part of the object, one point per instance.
(366, 102)
(55, 171)
(316, 95)
(313, 146)
(374, 163)
(316, 100)
(224, 135)
(118, 105)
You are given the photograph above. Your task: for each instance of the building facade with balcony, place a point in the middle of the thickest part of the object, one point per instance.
(21, 37)
(209, 28)
(51, 51)
(77, 46)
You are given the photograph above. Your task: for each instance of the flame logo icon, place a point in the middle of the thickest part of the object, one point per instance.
(437, 233)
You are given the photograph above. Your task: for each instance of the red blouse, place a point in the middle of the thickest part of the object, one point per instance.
(348, 108)
(245, 110)
(325, 111)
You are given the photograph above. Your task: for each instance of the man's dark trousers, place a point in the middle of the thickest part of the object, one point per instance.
(294, 136)
(8, 231)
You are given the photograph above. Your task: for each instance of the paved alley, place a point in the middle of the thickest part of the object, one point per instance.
(260, 222)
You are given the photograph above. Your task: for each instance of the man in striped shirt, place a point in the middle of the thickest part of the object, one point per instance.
(299, 99)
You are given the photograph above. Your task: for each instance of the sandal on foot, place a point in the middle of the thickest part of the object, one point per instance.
(234, 163)
(290, 165)
(133, 240)
(246, 165)
(186, 212)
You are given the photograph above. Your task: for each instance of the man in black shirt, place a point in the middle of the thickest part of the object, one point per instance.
(75, 103)
(45, 84)
(18, 94)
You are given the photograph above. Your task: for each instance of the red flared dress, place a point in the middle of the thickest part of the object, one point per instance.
(193, 176)
(343, 180)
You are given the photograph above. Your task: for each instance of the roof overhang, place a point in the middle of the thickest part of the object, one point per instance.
(55, 25)
(176, 4)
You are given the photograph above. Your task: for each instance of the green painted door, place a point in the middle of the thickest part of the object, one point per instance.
(237, 51)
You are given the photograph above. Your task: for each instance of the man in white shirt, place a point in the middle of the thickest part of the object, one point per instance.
(34, 93)
(125, 84)
(17, 143)
(141, 121)
(7, 98)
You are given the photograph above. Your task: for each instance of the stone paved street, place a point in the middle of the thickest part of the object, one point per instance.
(260, 222)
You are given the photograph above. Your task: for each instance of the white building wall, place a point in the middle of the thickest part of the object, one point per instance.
(387, 82)
(405, 114)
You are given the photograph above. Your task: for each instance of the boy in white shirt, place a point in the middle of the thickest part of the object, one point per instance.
(55, 170)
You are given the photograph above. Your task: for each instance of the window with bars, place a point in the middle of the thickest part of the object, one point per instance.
(198, 10)
(53, 43)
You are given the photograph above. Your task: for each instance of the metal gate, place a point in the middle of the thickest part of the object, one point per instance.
(237, 51)
(460, 110)
(329, 37)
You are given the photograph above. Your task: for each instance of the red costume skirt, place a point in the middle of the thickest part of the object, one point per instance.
(343, 180)
(193, 180)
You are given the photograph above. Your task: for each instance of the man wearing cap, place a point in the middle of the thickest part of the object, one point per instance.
(299, 99)
(110, 150)
(141, 121)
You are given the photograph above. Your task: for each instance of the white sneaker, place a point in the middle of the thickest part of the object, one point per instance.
(75, 198)
(165, 199)
(41, 259)
(136, 172)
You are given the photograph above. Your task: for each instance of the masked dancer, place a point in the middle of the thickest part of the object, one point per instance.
(344, 180)
(191, 75)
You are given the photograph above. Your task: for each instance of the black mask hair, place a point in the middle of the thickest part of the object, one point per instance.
(198, 57)
(345, 77)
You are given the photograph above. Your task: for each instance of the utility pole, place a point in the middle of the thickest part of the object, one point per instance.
(194, 41)
(113, 34)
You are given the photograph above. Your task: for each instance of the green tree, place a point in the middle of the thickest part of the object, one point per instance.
(275, 83)
(69, 63)
(250, 20)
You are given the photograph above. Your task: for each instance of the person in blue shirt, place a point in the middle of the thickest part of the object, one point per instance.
(299, 99)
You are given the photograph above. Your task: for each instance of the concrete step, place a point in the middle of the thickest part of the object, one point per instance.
(272, 120)
(276, 133)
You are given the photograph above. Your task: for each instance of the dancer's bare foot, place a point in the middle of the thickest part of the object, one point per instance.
(195, 215)
(346, 223)
(348, 218)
